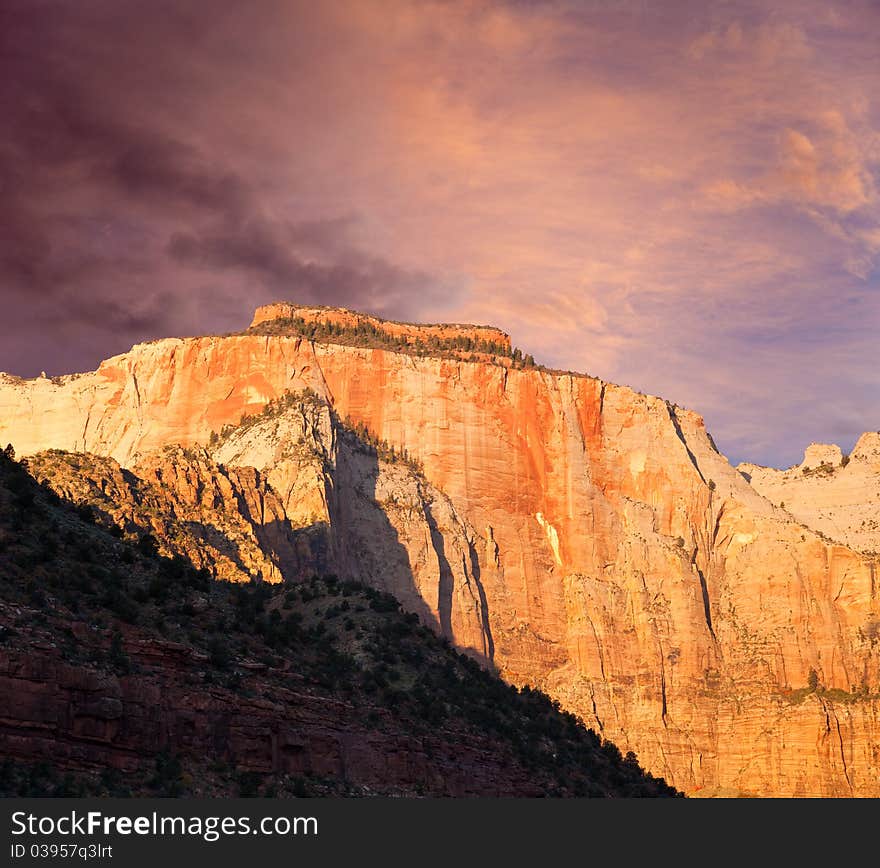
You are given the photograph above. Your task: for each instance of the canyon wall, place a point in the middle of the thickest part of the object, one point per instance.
(608, 553)
(286, 497)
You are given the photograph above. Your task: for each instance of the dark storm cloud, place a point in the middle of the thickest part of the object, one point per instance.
(268, 251)
(121, 215)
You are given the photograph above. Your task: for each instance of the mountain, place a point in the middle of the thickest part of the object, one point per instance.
(570, 534)
(835, 494)
(123, 672)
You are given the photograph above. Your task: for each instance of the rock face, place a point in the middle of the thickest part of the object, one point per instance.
(287, 496)
(227, 520)
(818, 454)
(839, 498)
(584, 538)
(87, 719)
(116, 658)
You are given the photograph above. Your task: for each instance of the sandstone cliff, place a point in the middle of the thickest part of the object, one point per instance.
(287, 495)
(227, 520)
(606, 551)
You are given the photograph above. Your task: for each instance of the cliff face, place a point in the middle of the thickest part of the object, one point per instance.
(288, 496)
(605, 551)
(838, 497)
(227, 520)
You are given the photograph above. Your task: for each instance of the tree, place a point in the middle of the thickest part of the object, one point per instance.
(117, 654)
(147, 545)
(813, 679)
(219, 653)
(9, 452)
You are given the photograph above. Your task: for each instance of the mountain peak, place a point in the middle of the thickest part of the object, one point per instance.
(817, 454)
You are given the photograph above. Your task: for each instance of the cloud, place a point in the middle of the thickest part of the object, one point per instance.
(124, 206)
(730, 195)
(678, 196)
(351, 278)
(829, 173)
(766, 42)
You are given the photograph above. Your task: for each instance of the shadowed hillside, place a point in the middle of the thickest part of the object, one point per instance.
(138, 675)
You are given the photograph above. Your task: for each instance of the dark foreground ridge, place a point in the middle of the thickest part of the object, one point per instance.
(126, 673)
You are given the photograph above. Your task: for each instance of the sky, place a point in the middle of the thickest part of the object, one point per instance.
(680, 197)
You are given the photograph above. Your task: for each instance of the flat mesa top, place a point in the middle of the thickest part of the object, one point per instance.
(413, 332)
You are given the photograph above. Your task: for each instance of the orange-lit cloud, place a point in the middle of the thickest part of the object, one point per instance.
(679, 196)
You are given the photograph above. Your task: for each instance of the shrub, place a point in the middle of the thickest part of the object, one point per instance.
(147, 545)
(117, 656)
(218, 653)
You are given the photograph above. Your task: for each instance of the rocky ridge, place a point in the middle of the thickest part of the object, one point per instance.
(411, 333)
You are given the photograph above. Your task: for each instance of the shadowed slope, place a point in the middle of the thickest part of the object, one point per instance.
(123, 672)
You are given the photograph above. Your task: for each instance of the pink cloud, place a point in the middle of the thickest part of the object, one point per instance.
(649, 196)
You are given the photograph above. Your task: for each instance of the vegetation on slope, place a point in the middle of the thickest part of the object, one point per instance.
(347, 642)
(365, 334)
(304, 398)
(361, 436)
